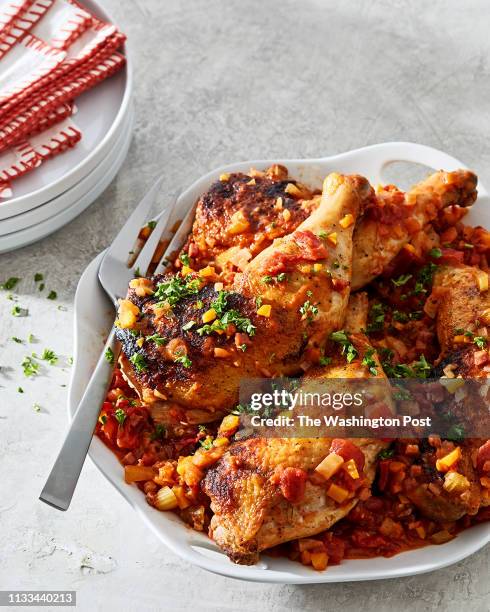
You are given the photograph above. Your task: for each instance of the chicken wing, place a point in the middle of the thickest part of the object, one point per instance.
(189, 343)
(395, 217)
(266, 491)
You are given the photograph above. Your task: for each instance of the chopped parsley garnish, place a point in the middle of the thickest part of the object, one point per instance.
(226, 317)
(322, 235)
(456, 432)
(258, 302)
(422, 367)
(158, 340)
(184, 360)
(348, 349)
(188, 325)
(480, 341)
(137, 273)
(402, 394)
(38, 277)
(199, 304)
(243, 347)
(177, 288)
(185, 259)
(243, 409)
(18, 311)
(120, 415)
(401, 280)
(399, 316)
(49, 356)
(103, 419)
(207, 443)
(386, 453)
(70, 360)
(376, 318)
(109, 355)
(159, 433)
(424, 278)
(10, 283)
(151, 224)
(15, 339)
(435, 252)
(41, 287)
(20, 389)
(278, 278)
(369, 362)
(30, 367)
(324, 361)
(139, 362)
(52, 295)
(308, 310)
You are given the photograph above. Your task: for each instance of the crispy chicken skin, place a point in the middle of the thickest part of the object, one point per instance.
(251, 509)
(250, 512)
(241, 214)
(305, 307)
(395, 217)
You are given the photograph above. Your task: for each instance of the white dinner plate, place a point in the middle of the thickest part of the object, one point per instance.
(108, 170)
(101, 113)
(94, 317)
(71, 196)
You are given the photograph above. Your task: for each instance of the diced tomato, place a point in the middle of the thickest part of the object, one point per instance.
(348, 450)
(483, 458)
(292, 482)
(310, 248)
(450, 256)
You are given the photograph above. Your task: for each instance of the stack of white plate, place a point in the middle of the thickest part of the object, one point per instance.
(47, 198)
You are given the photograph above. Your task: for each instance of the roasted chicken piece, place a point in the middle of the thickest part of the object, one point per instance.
(463, 307)
(395, 217)
(241, 214)
(187, 342)
(266, 491)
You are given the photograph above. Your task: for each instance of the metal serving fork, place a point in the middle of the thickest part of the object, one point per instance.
(114, 276)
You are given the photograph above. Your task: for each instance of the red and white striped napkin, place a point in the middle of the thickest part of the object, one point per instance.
(51, 51)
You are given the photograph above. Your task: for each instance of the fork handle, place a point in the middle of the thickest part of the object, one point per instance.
(61, 483)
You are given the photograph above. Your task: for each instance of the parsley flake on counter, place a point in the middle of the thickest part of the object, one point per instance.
(10, 283)
(20, 389)
(52, 295)
(49, 356)
(41, 287)
(120, 415)
(151, 224)
(18, 340)
(30, 338)
(36, 408)
(18, 311)
(38, 277)
(109, 355)
(30, 367)
(70, 360)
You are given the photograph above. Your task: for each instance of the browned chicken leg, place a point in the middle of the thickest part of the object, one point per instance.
(395, 217)
(268, 491)
(190, 344)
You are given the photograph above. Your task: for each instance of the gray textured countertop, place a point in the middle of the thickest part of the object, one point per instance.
(217, 82)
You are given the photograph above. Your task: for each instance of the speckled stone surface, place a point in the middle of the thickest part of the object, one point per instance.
(217, 82)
